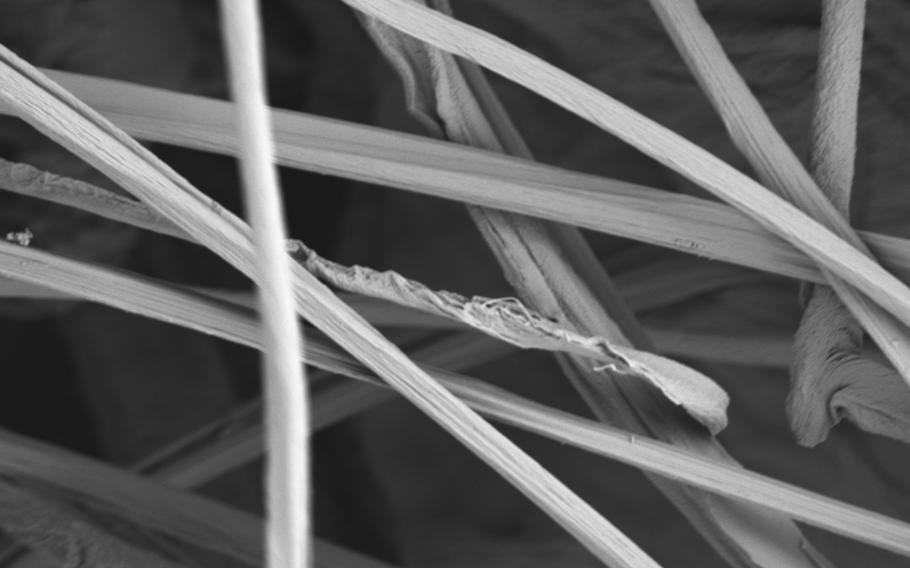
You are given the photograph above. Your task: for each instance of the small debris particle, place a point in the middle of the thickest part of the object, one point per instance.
(22, 238)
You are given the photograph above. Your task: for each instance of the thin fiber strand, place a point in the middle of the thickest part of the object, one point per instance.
(286, 407)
